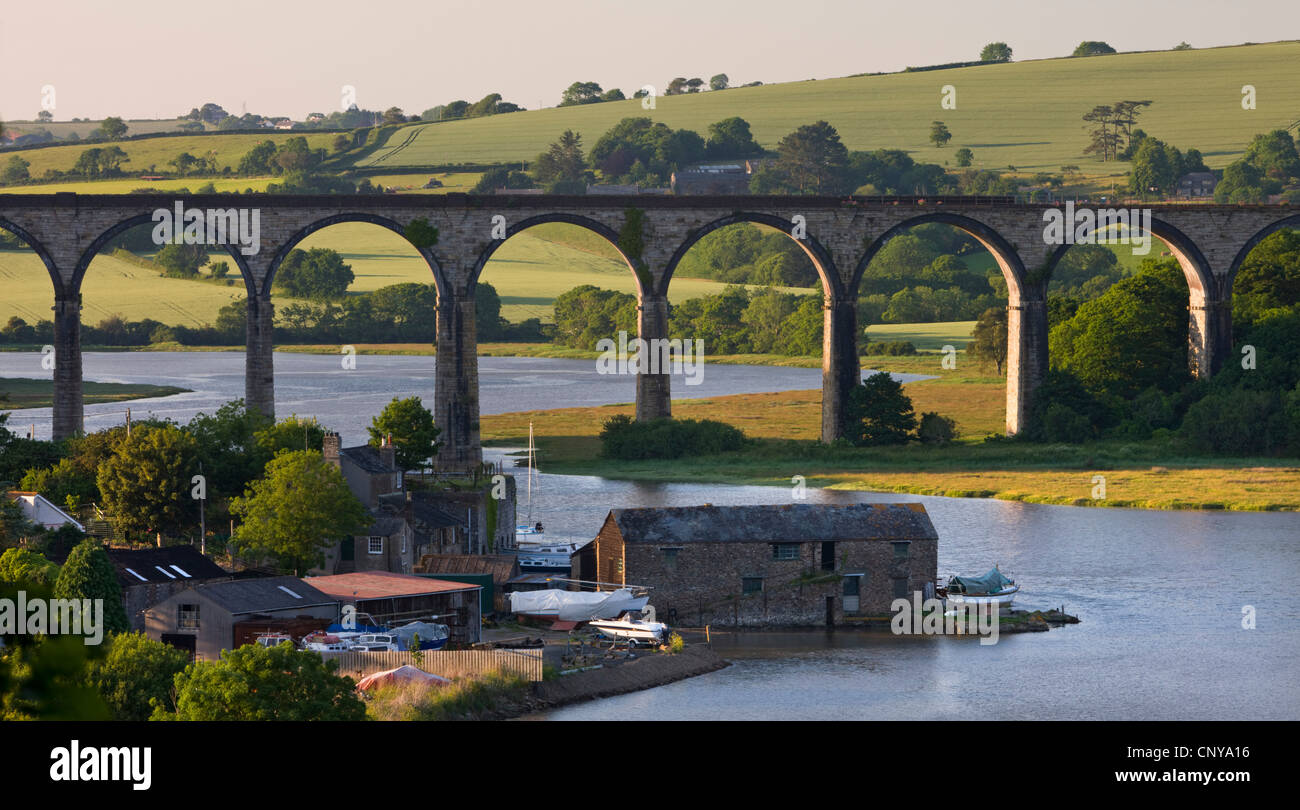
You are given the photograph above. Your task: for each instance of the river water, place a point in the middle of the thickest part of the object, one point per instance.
(1161, 594)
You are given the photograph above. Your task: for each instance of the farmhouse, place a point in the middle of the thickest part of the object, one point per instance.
(789, 565)
(203, 619)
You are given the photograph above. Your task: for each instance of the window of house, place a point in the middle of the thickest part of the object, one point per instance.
(785, 551)
(828, 555)
(187, 617)
(403, 542)
(900, 587)
(376, 545)
(670, 556)
(852, 592)
(750, 585)
(901, 550)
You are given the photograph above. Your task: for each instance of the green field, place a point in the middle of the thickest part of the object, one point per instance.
(927, 336)
(528, 272)
(1025, 114)
(151, 155)
(21, 392)
(129, 184)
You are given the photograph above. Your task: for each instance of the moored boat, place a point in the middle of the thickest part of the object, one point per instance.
(630, 627)
(993, 588)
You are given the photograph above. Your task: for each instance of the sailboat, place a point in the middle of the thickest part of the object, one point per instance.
(535, 553)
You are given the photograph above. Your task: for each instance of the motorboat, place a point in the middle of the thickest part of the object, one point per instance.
(375, 642)
(990, 589)
(632, 628)
(432, 636)
(325, 642)
(575, 606)
(273, 639)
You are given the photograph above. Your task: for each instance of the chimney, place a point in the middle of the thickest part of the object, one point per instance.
(388, 453)
(330, 447)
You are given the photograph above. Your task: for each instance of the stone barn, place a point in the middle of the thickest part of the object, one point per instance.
(798, 565)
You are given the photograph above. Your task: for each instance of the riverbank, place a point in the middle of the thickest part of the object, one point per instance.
(1151, 474)
(18, 393)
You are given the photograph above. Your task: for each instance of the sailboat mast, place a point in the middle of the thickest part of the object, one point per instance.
(530, 473)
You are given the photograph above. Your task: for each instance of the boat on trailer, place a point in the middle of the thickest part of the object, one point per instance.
(632, 628)
(993, 588)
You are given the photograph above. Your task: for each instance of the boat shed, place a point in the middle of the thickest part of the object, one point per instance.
(382, 597)
(789, 565)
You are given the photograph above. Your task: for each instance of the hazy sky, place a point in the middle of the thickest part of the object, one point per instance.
(159, 58)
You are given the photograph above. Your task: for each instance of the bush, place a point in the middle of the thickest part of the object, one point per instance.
(892, 348)
(878, 412)
(936, 429)
(136, 675)
(621, 437)
(1063, 424)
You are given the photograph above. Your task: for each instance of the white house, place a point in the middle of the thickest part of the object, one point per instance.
(41, 512)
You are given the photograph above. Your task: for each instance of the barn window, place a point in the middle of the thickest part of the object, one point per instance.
(785, 551)
(750, 585)
(376, 545)
(187, 617)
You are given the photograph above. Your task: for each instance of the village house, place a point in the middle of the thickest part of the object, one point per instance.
(391, 599)
(725, 178)
(43, 512)
(147, 576)
(790, 565)
(1197, 184)
(205, 619)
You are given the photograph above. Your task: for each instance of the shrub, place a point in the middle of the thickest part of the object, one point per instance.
(621, 437)
(936, 429)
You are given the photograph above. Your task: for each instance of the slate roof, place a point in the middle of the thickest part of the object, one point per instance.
(367, 458)
(774, 524)
(264, 594)
(179, 563)
(422, 510)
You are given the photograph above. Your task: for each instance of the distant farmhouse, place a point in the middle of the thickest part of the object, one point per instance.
(1197, 184)
(724, 178)
(792, 565)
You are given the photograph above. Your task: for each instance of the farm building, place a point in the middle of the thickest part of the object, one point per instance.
(495, 570)
(385, 598)
(790, 565)
(149, 575)
(203, 619)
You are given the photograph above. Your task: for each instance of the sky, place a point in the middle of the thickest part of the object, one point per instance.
(160, 58)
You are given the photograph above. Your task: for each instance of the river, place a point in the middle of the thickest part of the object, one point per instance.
(1161, 594)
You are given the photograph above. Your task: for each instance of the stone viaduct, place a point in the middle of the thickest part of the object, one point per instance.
(840, 235)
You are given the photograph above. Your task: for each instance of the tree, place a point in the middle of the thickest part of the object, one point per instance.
(111, 129)
(318, 274)
(731, 138)
(964, 157)
(298, 508)
(24, 565)
(878, 412)
(811, 160)
(1092, 48)
(89, 574)
(15, 171)
(182, 260)
(936, 429)
(136, 675)
(996, 52)
(563, 161)
(1182, 46)
(989, 340)
(265, 683)
(291, 433)
(410, 424)
(394, 115)
(939, 134)
(146, 482)
(1105, 140)
(580, 93)
(719, 82)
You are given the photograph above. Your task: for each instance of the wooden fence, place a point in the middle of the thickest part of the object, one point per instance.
(526, 664)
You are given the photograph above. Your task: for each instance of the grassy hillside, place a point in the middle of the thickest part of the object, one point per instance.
(156, 152)
(528, 271)
(1024, 114)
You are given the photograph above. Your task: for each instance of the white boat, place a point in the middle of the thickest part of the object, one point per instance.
(273, 639)
(375, 642)
(529, 528)
(325, 642)
(630, 627)
(991, 589)
(575, 606)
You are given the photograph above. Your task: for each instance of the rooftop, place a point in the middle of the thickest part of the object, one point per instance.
(382, 585)
(264, 594)
(773, 524)
(167, 564)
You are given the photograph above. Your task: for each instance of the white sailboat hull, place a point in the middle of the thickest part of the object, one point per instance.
(1002, 598)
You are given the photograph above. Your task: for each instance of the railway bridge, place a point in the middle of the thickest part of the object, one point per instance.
(652, 234)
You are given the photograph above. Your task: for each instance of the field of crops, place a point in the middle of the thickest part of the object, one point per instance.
(1026, 114)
